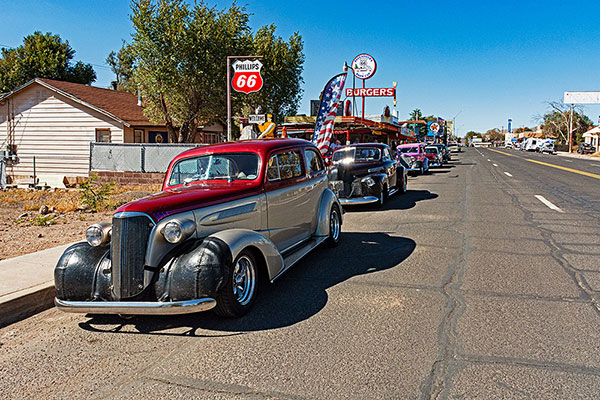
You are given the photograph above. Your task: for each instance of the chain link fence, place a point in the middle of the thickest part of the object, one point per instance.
(134, 157)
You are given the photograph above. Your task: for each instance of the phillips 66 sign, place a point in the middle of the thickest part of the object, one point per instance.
(246, 77)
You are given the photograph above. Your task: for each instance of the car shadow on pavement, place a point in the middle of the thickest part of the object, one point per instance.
(300, 294)
(398, 201)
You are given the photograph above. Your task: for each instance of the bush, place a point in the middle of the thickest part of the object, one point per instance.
(93, 194)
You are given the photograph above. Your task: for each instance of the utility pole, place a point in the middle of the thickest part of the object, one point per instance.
(571, 130)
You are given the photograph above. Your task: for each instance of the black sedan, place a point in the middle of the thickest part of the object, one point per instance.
(366, 173)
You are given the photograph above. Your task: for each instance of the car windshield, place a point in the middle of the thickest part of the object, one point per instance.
(239, 166)
(431, 150)
(412, 149)
(357, 154)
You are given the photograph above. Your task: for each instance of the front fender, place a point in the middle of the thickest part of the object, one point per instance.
(328, 199)
(239, 239)
(83, 273)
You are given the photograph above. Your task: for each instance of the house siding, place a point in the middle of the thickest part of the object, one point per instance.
(54, 129)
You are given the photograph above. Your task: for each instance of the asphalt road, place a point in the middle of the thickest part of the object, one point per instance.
(468, 286)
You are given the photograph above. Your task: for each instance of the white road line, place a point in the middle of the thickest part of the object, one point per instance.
(595, 165)
(489, 160)
(507, 174)
(495, 165)
(567, 161)
(547, 203)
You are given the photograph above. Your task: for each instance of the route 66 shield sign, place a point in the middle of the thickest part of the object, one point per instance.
(246, 77)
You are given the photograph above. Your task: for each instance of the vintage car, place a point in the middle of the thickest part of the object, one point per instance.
(366, 173)
(414, 155)
(434, 156)
(228, 215)
(443, 149)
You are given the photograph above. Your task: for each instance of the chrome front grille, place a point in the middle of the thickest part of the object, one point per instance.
(128, 250)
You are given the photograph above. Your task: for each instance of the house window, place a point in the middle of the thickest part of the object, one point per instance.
(138, 136)
(103, 135)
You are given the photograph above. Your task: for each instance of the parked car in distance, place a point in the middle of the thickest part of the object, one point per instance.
(585, 148)
(443, 151)
(366, 173)
(454, 147)
(547, 147)
(414, 155)
(434, 156)
(228, 216)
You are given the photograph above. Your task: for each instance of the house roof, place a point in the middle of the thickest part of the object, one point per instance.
(121, 106)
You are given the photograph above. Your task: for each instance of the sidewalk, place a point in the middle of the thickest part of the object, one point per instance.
(577, 155)
(27, 284)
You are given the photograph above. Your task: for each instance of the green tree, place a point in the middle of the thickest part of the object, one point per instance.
(494, 135)
(416, 114)
(178, 62)
(555, 122)
(471, 134)
(122, 64)
(42, 56)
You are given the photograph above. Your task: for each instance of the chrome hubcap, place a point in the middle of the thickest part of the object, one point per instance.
(244, 280)
(334, 225)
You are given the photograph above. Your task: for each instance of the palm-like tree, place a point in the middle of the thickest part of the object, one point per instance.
(416, 114)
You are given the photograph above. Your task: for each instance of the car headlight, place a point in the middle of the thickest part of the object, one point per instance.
(369, 181)
(178, 230)
(98, 234)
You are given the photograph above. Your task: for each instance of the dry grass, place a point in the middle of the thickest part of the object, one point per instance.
(67, 200)
(596, 154)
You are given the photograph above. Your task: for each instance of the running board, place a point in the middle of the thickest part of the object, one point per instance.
(292, 258)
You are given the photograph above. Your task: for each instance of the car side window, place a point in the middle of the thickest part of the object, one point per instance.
(386, 154)
(284, 165)
(313, 161)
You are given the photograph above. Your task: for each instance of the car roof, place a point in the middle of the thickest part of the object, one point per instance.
(259, 146)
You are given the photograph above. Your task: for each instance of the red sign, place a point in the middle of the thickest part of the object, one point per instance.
(371, 92)
(246, 77)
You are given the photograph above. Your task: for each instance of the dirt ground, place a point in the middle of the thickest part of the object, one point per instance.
(19, 235)
(24, 230)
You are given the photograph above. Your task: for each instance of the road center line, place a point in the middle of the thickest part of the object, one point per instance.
(548, 203)
(507, 174)
(575, 171)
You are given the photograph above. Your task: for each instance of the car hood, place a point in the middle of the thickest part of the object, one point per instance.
(347, 172)
(181, 199)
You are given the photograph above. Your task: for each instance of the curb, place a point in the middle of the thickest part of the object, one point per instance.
(25, 303)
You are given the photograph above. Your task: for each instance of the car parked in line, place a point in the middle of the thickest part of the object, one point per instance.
(414, 155)
(454, 147)
(443, 151)
(586, 148)
(366, 173)
(434, 156)
(546, 147)
(228, 216)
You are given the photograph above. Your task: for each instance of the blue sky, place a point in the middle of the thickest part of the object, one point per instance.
(486, 61)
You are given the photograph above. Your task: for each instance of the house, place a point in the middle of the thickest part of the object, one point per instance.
(46, 127)
(592, 136)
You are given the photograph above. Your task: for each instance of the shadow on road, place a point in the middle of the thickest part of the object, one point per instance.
(298, 295)
(398, 201)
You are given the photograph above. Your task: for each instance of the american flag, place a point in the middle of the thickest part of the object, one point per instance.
(327, 112)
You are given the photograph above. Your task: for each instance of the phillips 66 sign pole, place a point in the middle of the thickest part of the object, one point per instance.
(246, 79)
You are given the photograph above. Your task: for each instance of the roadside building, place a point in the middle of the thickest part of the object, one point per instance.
(592, 136)
(46, 127)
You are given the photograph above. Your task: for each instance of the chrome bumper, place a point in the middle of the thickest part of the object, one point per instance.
(358, 200)
(136, 307)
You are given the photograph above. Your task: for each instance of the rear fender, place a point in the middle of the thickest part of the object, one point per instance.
(328, 199)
